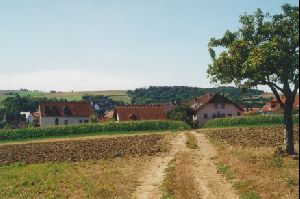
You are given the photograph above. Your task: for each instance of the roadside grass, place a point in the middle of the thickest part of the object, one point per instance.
(225, 171)
(114, 133)
(191, 140)
(179, 183)
(259, 174)
(111, 178)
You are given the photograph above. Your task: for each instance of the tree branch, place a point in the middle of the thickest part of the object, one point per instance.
(276, 95)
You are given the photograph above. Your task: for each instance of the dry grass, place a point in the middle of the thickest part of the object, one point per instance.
(260, 171)
(111, 178)
(191, 140)
(179, 182)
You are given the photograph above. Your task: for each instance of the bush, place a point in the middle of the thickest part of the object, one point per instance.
(248, 121)
(161, 125)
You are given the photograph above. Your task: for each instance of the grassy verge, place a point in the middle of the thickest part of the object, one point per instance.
(191, 140)
(246, 156)
(179, 183)
(91, 179)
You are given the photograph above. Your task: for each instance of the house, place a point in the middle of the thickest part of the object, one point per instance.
(64, 113)
(273, 106)
(139, 112)
(28, 117)
(213, 106)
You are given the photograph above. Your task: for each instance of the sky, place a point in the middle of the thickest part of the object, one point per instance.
(81, 45)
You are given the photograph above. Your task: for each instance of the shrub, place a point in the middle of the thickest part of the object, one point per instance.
(161, 125)
(248, 121)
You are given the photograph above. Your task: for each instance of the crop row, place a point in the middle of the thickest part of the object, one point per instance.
(161, 125)
(267, 136)
(82, 150)
(248, 121)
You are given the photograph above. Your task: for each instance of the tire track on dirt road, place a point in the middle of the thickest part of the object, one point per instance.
(151, 181)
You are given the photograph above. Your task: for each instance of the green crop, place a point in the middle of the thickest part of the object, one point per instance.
(159, 125)
(248, 121)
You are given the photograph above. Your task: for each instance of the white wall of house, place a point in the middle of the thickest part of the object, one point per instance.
(50, 121)
(227, 110)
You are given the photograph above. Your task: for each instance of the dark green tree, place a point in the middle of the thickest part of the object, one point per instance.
(264, 51)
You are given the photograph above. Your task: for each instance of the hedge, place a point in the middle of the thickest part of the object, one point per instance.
(248, 121)
(161, 125)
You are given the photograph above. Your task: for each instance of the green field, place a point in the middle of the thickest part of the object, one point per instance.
(117, 95)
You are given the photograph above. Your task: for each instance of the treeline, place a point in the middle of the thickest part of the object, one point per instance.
(159, 94)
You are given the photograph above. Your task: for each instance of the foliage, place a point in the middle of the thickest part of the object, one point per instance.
(93, 118)
(181, 114)
(264, 51)
(248, 121)
(148, 125)
(16, 104)
(160, 94)
(103, 102)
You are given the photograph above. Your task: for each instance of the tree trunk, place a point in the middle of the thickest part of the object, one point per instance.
(288, 124)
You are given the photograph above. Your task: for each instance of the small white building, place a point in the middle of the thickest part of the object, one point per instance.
(64, 113)
(28, 117)
(211, 106)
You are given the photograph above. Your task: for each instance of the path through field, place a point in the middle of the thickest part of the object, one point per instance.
(151, 181)
(211, 185)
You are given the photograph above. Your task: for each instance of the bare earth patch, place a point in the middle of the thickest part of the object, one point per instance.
(152, 178)
(211, 184)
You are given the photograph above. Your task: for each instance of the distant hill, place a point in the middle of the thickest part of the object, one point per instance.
(158, 94)
(117, 95)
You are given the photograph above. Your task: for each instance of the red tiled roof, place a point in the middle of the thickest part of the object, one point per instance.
(62, 109)
(273, 105)
(140, 112)
(199, 102)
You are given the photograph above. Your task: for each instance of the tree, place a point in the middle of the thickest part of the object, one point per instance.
(264, 51)
(181, 113)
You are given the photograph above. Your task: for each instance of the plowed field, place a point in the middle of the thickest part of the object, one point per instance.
(81, 150)
(253, 136)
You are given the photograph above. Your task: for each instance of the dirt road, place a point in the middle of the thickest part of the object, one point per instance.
(211, 185)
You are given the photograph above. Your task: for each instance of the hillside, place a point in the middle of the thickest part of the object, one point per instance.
(158, 94)
(117, 95)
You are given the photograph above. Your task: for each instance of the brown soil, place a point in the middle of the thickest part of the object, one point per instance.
(152, 178)
(211, 184)
(81, 150)
(252, 137)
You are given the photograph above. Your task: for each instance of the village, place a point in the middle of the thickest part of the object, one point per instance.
(203, 108)
(131, 99)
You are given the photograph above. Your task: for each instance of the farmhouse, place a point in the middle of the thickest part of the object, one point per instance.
(213, 106)
(273, 106)
(64, 113)
(139, 112)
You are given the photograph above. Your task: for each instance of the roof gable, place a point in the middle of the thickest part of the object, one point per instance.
(199, 102)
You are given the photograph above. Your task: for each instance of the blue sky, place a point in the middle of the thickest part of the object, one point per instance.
(113, 44)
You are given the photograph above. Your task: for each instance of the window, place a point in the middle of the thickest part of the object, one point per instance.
(47, 110)
(216, 106)
(222, 105)
(223, 115)
(214, 115)
(218, 115)
(205, 115)
(66, 122)
(56, 121)
(80, 121)
(229, 115)
(67, 110)
(238, 113)
(86, 121)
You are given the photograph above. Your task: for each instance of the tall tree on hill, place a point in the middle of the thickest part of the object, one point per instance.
(264, 51)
